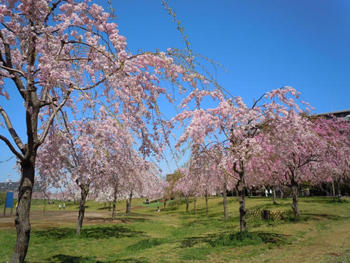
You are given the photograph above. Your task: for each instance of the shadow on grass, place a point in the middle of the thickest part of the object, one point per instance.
(129, 260)
(71, 259)
(146, 243)
(98, 232)
(132, 219)
(236, 239)
(315, 216)
(325, 200)
(105, 208)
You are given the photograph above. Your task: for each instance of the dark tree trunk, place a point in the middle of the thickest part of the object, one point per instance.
(187, 203)
(114, 203)
(206, 203)
(84, 192)
(128, 203)
(114, 206)
(274, 195)
(333, 189)
(195, 205)
(338, 190)
(242, 210)
(44, 208)
(23, 209)
(295, 198)
(225, 201)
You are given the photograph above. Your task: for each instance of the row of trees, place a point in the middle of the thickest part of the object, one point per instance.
(98, 158)
(91, 115)
(274, 144)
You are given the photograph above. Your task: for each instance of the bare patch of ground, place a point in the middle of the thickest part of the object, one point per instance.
(51, 219)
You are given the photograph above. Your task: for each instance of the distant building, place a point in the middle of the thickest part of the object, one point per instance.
(13, 187)
(339, 114)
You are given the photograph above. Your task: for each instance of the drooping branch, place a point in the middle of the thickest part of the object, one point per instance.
(7, 62)
(52, 9)
(51, 118)
(8, 143)
(11, 130)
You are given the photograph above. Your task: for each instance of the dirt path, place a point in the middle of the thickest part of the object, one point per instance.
(59, 218)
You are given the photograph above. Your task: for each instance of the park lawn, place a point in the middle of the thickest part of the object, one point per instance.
(321, 234)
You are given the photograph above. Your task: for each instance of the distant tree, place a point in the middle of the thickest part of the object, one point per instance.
(239, 125)
(335, 164)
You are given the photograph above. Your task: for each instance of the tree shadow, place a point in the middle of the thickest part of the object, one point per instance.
(129, 260)
(132, 219)
(61, 258)
(326, 200)
(316, 216)
(98, 232)
(146, 243)
(105, 208)
(235, 239)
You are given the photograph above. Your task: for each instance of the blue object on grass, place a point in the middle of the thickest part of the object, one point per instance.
(9, 200)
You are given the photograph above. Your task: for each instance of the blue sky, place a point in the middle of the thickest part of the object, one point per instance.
(263, 45)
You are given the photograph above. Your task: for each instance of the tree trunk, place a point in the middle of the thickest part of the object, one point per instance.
(23, 209)
(114, 204)
(225, 201)
(338, 190)
(187, 203)
(128, 203)
(114, 200)
(126, 206)
(274, 195)
(242, 210)
(44, 208)
(84, 192)
(206, 203)
(333, 189)
(195, 205)
(295, 198)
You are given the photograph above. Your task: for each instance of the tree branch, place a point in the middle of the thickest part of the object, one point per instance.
(54, 6)
(13, 150)
(11, 130)
(7, 62)
(49, 122)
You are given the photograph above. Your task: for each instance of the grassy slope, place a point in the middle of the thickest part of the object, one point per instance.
(322, 234)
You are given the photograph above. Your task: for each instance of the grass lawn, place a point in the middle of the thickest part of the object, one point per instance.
(321, 234)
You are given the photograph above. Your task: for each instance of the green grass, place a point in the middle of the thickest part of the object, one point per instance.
(321, 234)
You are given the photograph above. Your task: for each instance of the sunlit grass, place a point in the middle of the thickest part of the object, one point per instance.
(172, 235)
